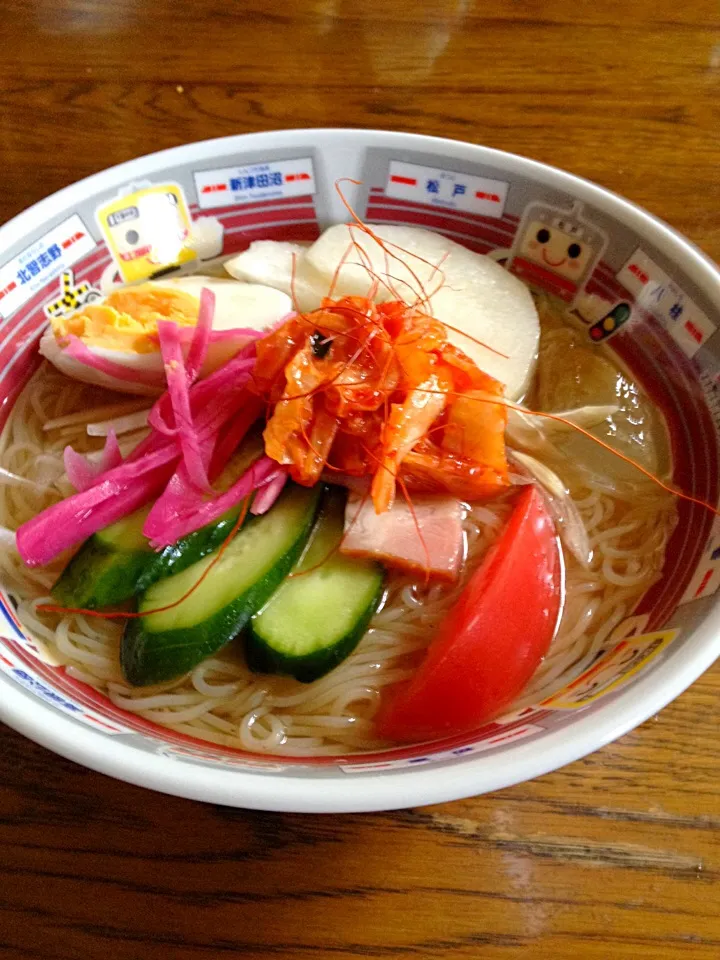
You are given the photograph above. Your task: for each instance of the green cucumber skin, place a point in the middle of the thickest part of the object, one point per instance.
(281, 640)
(261, 658)
(83, 584)
(147, 658)
(187, 551)
(98, 577)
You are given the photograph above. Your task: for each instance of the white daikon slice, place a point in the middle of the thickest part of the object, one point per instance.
(469, 292)
(271, 262)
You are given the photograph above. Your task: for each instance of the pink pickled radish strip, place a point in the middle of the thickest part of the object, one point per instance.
(205, 393)
(179, 393)
(260, 473)
(233, 433)
(181, 498)
(84, 473)
(68, 523)
(150, 444)
(269, 494)
(242, 361)
(242, 334)
(118, 491)
(156, 419)
(229, 413)
(201, 335)
(79, 351)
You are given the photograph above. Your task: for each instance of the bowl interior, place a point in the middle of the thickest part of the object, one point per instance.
(641, 291)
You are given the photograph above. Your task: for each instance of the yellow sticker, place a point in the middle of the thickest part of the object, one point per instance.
(611, 671)
(72, 296)
(147, 230)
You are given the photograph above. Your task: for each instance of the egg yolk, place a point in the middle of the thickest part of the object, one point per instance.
(127, 319)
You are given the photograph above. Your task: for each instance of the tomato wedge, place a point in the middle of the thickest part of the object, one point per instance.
(493, 639)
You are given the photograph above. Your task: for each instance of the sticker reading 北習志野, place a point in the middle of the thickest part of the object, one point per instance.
(41, 262)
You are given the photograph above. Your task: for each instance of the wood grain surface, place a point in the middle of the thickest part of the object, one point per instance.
(616, 856)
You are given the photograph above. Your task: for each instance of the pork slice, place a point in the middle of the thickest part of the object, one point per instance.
(393, 539)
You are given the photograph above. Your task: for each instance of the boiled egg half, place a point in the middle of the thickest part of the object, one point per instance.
(121, 328)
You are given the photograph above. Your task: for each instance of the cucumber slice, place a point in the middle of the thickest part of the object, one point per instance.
(187, 551)
(166, 645)
(313, 622)
(105, 570)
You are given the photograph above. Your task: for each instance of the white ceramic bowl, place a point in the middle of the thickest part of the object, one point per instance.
(217, 196)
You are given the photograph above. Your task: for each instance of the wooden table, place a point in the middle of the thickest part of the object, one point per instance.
(615, 856)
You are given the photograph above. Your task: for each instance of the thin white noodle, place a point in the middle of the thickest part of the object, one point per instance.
(126, 424)
(99, 413)
(221, 701)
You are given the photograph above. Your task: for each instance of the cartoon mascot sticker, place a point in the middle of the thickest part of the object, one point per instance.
(557, 250)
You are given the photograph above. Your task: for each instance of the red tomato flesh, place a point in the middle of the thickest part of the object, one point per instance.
(493, 639)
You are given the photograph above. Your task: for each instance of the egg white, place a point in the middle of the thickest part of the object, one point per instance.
(150, 363)
(236, 305)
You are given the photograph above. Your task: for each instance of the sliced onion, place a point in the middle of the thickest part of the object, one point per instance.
(269, 494)
(120, 425)
(85, 416)
(533, 433)
(566, 515)
(82, 472)
(7, 538)
(13, 480)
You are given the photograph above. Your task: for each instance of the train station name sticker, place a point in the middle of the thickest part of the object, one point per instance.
(41, 262)
(653, 289)
(444, 188)
(274, 180)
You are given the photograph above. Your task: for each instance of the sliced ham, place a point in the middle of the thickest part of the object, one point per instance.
(393, 539)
